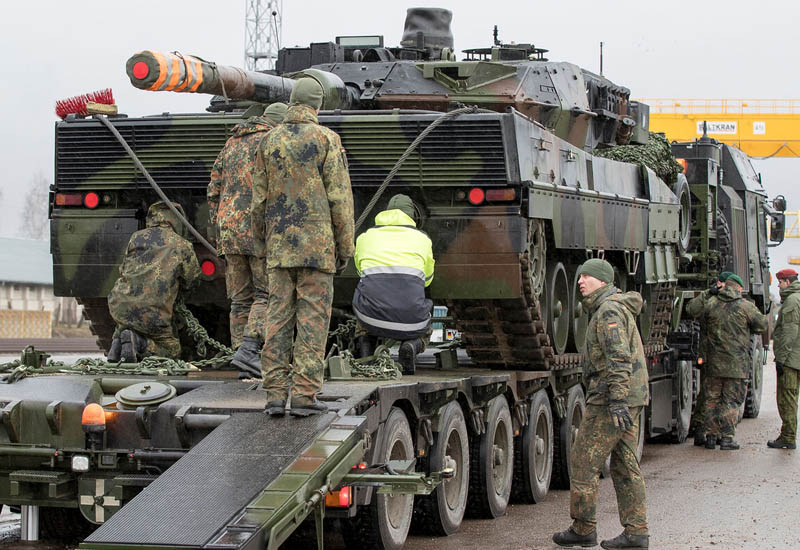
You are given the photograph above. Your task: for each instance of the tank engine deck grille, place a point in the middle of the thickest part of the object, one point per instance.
(181, 153)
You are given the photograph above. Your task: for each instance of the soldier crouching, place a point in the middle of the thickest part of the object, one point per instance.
(158, 265)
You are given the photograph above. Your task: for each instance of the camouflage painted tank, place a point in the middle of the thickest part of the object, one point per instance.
(553, 164)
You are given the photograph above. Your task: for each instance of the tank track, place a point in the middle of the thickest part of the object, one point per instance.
(511, 334)
(101, 323)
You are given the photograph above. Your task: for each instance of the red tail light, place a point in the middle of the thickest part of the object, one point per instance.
(476, 196)
(69, 199)
(208, 268)
(91, 200)
(339, 499)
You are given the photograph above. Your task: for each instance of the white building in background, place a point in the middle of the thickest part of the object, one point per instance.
(26, 285)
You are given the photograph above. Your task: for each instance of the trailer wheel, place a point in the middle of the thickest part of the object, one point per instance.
(752, 404)
(533, 452)
(384, 523)
(682, 403)
(441, 512)
(564, 436)
(491, 465)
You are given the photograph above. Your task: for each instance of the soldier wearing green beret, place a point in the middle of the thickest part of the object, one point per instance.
(302, 216)
(695, 307)
(787, 358)
(730, 320)
(616, 380)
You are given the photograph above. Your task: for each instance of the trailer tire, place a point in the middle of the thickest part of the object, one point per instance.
(441, 512)
(533, 452)
(564, 435)
(752, 405)
(491, 467)
(384, 523)
(682, 406)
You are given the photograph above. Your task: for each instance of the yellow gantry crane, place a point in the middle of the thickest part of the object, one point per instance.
(762, 128)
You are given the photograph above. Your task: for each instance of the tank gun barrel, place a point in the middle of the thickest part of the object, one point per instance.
(174, 72)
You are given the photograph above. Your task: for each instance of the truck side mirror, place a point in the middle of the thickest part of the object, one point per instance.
(777, 227)
(779, 203)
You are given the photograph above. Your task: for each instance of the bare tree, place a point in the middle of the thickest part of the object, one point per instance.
(34, 215)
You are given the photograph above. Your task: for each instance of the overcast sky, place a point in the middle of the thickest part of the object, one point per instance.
(699, 49)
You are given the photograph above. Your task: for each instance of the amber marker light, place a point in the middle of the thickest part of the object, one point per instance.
(683, 164)
(93, 418)
(339, 499)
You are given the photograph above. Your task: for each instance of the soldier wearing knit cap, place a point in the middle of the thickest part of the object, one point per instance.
(302, 216)
(786, 341)
(275, 113)
(616, 390)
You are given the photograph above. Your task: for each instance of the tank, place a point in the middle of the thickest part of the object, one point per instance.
(552, 164)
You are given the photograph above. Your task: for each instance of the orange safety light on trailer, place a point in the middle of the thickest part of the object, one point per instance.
(339, 499)
(93, 418)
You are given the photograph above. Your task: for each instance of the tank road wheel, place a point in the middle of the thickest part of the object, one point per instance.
(645, 318)
(441, 512)
(752, 403)
(557, 306)
(564, 436)
(533, 453)
(579, 319)
(682, 401)
(491, 465)
(384, 523)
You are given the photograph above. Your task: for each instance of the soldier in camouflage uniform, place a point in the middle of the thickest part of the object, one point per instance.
(230, 193)
(303, 214)
(616, 380)
(787, 358)
(730, 320)
(159, 265)
(699, 414)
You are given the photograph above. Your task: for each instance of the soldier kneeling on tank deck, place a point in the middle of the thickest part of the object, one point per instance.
(158, 265)
(395, 261)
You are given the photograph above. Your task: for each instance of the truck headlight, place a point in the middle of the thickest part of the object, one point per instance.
(80, 463)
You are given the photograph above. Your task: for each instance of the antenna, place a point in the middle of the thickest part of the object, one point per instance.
(494, 34)
(262, 37)
(601, 58)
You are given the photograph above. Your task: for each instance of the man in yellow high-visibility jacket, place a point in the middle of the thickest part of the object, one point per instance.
(395, 261)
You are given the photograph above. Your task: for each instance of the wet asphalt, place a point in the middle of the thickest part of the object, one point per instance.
(696, 499)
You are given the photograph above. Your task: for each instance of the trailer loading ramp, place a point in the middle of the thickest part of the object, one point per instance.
(248, 484)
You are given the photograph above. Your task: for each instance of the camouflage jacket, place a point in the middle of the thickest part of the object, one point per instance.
(230, 190)
(787, 328)
(614, 363)
(730, 320)
(158, 264)
(303, 205)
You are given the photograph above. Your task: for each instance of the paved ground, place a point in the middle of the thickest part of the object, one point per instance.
(697, 499)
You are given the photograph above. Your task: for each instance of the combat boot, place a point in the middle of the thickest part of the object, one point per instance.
(571, 539)
(408, 354)
(631, 542)
(114, 351)
(307, 408)
(729, 444)
(780, 444)
(699, 439)
(276, 408)
(711, 441)
(366, 346)
(132, 346)
(248, 357)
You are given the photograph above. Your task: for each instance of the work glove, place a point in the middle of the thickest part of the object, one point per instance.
(620, 415)
(779, 368)
(341, 265)
(714, 290)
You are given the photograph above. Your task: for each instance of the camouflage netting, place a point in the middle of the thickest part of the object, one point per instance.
(656, 155)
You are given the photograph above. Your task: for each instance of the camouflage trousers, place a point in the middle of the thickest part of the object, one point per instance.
(161, 345)
(700, 411)
(299, 298)
(786, 395)
(246, 284)
(597, 438)
(724, 397)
